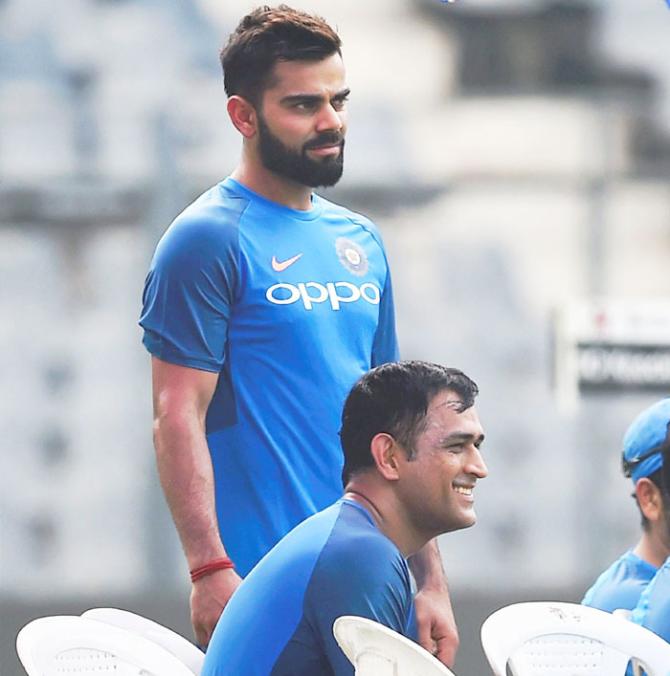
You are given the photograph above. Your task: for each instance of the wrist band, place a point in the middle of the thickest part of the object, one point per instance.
(211, 567)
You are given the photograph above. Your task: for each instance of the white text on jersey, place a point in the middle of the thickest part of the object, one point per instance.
(285, 294)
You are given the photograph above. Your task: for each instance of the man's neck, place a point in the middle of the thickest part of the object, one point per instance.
(388, 516)
(652, 548)
(272, 186)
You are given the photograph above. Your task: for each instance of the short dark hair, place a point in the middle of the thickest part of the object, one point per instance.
(394, 398)
(268, 35)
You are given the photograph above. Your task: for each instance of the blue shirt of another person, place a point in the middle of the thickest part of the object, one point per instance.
(290, 308)
(279, 621)
(621, 585)
(653, 609)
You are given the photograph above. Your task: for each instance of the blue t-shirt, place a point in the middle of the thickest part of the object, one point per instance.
(653, 608)
(621, 584)
(290, 308)
(280, 620)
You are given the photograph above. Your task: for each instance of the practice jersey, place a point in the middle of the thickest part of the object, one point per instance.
(290, 308)
(280, 620)
(621, 584)
(653, 608)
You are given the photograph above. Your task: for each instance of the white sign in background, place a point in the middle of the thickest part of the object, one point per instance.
(611, 345)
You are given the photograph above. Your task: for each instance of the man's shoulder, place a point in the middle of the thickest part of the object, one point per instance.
(660, 584)
(206, 228)
(343, 536)
(626, 566)
(216, 210)
(359, 571)
(653, 608)
(357, 549)
(620, 585)
(334, 209)
(630, 566)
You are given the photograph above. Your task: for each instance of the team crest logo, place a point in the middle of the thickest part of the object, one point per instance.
(351, 256)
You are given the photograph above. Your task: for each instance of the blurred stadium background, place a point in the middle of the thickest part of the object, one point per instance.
(516, 155)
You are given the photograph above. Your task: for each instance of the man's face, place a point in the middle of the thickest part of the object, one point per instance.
(437, 484)
(302, 121)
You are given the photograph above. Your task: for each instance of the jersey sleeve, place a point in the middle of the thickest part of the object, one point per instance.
(370, 585)
(653, 608)
(385, 345)
(189, 292)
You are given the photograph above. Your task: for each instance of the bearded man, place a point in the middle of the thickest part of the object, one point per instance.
(263, 305)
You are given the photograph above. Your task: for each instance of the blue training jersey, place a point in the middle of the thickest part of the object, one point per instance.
(280, 620)
(653, 608)
(290, 308)
(621, 584)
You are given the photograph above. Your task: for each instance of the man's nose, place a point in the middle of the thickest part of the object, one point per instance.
(477, 466)
(329, 119)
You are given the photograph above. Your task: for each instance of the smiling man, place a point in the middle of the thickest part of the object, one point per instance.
(263, 305)
(411, 440)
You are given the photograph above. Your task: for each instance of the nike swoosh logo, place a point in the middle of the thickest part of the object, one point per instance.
(280, 266)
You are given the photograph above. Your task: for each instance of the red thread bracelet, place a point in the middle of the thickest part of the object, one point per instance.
(211, 567)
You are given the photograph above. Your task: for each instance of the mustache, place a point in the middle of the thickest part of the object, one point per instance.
(328, 138)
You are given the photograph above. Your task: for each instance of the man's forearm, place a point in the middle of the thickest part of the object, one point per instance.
(187, 478)
(427, 569)
(436, 625)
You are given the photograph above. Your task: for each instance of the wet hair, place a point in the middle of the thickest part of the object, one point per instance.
(394, 399)
(266, 36)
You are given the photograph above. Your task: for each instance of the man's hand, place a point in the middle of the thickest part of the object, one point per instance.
(209, 597)
(436, 626)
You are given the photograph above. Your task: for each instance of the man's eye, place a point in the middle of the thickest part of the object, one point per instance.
(338, 104)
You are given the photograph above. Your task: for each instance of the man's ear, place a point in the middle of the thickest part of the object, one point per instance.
(649, 498)
(242, 115)
(385, 452)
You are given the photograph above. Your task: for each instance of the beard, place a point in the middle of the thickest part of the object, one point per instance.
(296, 165)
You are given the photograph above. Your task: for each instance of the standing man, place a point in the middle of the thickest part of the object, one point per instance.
(621, 585)
(411, 440)
(264, 303)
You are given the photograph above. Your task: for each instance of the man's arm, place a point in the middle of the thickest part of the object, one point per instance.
(181, 397)
(437, 631)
